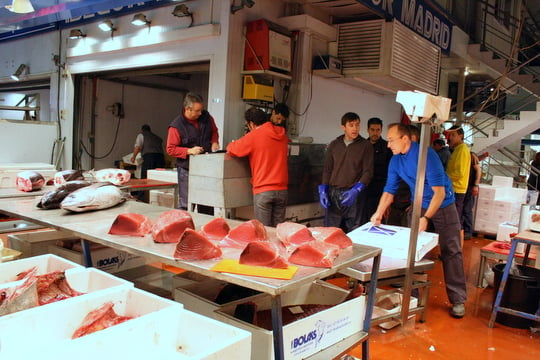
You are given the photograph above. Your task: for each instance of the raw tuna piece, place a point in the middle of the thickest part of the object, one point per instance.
(293, 234)
(216, 229)
(114, 176)
(94, 197)
(263, 253)
(61, 177)
(29, 181)
(131, 224)
(53, 198)
(54, 287)
(21, 297)
(99, 319)
(332, 235)
(195, 246)
(240, 236)
(315, 253)
(170, 226)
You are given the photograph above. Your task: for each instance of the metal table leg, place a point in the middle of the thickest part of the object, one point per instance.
(85, 244)
(481, 269)
(277, 325)
(370, 303)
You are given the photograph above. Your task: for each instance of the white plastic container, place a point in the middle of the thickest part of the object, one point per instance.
(44, 263)
(311, 334)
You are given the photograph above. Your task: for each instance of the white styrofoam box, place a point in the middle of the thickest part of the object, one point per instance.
(107, 259)
(169, 175)
(8, 172)
(486, 192)
(168, 334)
(36, 243)
(163, 198)
(396, 299)
(53, 325)
(484, 213)
(505, 229)
(502, 181)
(198, 293)
(393, 240)
(485, 226)
(512, 195)
(44, 263)
(311, 334)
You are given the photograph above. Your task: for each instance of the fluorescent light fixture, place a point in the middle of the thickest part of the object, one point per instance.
(181, 11)
(466, 72)
(76, 34)
(106, 25)
(20, 70)
(21, 6)
(140, 20)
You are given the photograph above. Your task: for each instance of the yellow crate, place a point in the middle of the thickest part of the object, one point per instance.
(254, 91)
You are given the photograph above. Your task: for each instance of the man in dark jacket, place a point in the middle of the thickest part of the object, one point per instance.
(348, 169)
(193, 132)
(151, 148)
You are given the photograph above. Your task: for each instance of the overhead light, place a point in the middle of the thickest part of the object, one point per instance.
(181, 11)
(21, 6)
(466, 72)
(106, 25)
(140, 20)
(76, 34)
(20, 70)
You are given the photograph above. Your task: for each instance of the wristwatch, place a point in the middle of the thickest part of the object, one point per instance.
(425, 217)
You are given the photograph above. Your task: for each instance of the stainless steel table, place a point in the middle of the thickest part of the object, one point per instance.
(94, 226)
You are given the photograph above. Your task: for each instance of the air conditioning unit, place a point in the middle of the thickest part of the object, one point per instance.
(387, 56)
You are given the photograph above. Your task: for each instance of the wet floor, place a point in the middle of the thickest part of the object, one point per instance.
(443, 337)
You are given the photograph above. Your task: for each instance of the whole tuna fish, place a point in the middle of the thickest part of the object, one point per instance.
(94, 197)
(53, 198)
(61, 177)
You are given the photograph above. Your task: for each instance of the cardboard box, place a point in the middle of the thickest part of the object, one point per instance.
(52, 326)
(107, 259)
(37, 242)
(163, 198)
(390, 304)
(198, 293)
(44, 263)
(254, 91)
(394, 240)
(311, 334)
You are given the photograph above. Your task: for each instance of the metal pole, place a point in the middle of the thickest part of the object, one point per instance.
(425, 136)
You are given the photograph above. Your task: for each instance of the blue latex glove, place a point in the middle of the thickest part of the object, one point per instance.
(323, 196)
(349, 197)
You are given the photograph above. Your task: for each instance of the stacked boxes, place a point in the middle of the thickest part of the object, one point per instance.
(158, 328)
(498, 204)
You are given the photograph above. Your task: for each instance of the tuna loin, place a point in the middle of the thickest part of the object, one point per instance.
(195, 246)
(131, 224)
(61, 177)
(240, 236)
(263, 253)
(332, 235)
(216, 229)
(94, 197)
(315, 253)
(53, 198)
(291, 233)
(170, 225)
(29, 180)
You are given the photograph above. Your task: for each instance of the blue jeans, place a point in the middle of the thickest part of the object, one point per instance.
(269, 207)
(183, 177)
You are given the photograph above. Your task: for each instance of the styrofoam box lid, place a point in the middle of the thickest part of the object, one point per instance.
(52, 326)
(44, 263)
(26, 166)
(170, 175)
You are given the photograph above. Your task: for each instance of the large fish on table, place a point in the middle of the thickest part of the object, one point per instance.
(53, 198)
(94, 197)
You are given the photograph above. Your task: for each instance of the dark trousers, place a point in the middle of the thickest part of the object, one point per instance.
(446, 223)
(467, 215)
(269, 207)
(151, 161)
(346, 218)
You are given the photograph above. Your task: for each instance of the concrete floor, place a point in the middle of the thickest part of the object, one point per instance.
(443, 337)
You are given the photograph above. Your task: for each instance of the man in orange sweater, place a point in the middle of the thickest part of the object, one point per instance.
(266, 146)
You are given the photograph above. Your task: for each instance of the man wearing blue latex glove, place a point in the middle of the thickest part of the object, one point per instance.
(323, 196)
(349, 197)
(348, 167)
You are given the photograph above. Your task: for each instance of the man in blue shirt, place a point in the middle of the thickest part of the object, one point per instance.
(438, 208)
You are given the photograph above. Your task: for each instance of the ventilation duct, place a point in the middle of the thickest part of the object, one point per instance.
(387, 57)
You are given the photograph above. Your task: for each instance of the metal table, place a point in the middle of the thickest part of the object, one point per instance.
(94, 226)
(7, 193)
(529, 238)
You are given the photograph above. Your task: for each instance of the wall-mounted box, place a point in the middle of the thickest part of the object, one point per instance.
(326, 62)
(254, 91)
(268, 46)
